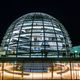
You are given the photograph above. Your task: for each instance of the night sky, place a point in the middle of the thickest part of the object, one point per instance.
(66, 11)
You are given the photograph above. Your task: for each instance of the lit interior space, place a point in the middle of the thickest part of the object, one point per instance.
(36, 46)
(37, 71)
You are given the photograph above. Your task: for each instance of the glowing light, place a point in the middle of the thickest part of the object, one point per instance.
(76, 51)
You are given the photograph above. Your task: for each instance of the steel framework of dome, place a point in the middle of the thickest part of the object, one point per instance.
(36, 46)
(36, 35)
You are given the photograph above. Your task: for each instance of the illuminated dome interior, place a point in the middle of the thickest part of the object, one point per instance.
(36, 35)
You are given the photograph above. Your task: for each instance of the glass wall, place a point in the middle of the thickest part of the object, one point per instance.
(39, 70)
(36, 35)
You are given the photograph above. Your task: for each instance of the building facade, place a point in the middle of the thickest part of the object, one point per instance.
(37, 46)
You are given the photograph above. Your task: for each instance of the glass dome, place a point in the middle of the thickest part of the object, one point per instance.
(36, 35)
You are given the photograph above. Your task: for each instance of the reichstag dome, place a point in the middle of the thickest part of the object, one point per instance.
(36, 46)
(36, 35)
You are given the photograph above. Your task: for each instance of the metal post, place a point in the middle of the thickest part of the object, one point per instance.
(52, 69)
(71, 70)
(22, 70)
(2, 70)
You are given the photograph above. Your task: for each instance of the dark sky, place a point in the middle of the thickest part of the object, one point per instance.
(66, 11)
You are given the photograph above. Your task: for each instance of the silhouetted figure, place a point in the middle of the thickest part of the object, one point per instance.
(64, 54)
(74, 55)
(44, 52)
(79, 54)
(71, 55)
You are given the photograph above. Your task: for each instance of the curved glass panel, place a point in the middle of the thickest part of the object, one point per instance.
(36, 35)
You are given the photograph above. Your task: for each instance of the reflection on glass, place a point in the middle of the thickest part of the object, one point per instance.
(37, 70)
(35, 33)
